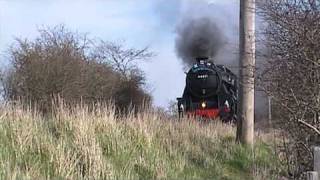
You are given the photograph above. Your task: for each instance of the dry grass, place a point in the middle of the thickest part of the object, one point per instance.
(79, 144)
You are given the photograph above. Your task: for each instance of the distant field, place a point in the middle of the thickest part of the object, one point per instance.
(78, 144)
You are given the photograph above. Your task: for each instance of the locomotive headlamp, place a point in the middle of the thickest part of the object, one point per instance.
(203, 105)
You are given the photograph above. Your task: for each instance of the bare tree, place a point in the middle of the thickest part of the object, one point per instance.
(65, 63)
(292, 75)
(123, 60)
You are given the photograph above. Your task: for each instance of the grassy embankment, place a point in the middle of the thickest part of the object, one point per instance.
(77, 144)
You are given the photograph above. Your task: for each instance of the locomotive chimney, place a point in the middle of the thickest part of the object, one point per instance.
(202, 60)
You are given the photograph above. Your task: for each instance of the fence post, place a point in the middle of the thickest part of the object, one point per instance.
(316, 160)
(312, 175)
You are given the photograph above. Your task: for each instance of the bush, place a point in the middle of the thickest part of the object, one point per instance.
(70, 65)
(292, 76)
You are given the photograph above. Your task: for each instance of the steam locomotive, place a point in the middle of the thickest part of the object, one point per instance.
(210, 92)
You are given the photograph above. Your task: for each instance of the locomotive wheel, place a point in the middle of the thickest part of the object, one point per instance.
(229, 118)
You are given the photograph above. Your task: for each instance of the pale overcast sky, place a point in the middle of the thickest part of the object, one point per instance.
(140, 22)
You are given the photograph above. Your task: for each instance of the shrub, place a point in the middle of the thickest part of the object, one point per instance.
(70, 65)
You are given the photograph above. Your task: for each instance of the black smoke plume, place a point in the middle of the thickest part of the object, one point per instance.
(198, 38)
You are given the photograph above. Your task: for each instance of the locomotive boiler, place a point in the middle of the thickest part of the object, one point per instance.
(210, 92)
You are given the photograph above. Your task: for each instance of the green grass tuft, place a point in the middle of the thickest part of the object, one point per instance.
(77, 144)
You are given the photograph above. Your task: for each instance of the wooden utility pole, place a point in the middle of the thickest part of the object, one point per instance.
(245, 130)
(316, 160)
(315, 174)
(312, 175)
(270, 111)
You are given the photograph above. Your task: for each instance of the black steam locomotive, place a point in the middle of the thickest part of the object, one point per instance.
(210, 92)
